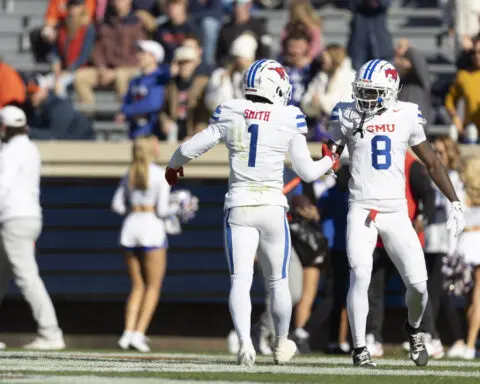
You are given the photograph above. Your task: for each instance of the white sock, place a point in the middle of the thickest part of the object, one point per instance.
(416, 299)
(280, 306)
(241, 306)
(357, 304)
(127, 334)
(138, 335)
(301, 333)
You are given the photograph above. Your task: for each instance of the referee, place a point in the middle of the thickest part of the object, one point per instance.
(21, 224)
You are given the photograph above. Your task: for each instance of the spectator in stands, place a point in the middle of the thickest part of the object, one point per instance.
(143, 197)
(74, 44)
(226, 82)
(42, 39)
(145, 10)
(303, 17)
(465, 86)
(414, 77)
(51, 117)
(467, 19)
(208, 14)
(369, 34)
(179, 24)
(194, 42)
(114, 55)
(241, 22)
(12, 87)
(184, 112)
(298, 64)
(331, 85)
(144, 99)
(439, 244)
(469, 250)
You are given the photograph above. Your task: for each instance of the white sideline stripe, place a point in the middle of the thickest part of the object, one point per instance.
(229, 358)
(115, 380)
(50, 365)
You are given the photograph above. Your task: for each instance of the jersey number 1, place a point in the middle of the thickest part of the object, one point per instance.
(381, 150)
(252, 154)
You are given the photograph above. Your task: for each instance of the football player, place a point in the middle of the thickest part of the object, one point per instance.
(377, 128)
(257, 131)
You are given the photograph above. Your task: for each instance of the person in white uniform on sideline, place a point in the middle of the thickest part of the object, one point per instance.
(21, 225)
(257, 132)
(143, 197)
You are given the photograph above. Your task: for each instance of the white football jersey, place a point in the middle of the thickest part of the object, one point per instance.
(377, 151)
(257, 136)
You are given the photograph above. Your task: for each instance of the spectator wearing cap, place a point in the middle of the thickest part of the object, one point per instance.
(21, 224)
(240, 23)
(42, 39)
(144, 99)
(12, 87)
(194, 42)
(74, 44)
(114, 55)
(184, 112)
(172, 32)
(208, 14)
(226, 83)
(51, 117)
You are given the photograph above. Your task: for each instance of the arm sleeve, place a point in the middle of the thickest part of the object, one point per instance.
(197, 145)
(302, 163)
(422, 190)
(119, 199)
(163, 198)
(418, 131)
(87, 47)
(335, 129)
(9, 168)
(149, 104)
(452, 97)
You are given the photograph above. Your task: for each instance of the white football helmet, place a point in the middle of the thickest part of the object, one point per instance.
(268, 79)
(376, 86)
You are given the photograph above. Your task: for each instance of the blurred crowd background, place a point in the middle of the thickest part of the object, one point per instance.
(122, 69)
(117, 69)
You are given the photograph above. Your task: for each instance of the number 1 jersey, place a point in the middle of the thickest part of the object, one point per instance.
(377, 149)
(257, 136)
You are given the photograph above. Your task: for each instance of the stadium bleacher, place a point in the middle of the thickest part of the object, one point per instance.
(421, 26)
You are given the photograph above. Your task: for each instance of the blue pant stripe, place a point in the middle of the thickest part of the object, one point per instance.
(286, 250)
(228, 242)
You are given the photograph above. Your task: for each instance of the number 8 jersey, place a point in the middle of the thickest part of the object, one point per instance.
(377, 146)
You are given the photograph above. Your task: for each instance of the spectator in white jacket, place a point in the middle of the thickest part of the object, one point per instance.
(331, 85)
(226, 82)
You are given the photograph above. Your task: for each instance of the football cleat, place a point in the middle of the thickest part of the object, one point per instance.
(284, 350)
(363, 359)
(246, 355)
(418, 352)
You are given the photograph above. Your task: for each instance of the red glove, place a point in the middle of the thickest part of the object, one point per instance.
(328, 153)
(171, 174)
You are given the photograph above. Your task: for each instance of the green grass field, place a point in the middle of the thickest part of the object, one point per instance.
(116, 367)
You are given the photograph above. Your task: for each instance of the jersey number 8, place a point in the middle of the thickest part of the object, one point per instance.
(381, 156)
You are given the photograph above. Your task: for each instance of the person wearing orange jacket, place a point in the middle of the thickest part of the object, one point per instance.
(42, 39)
(12, 88)
(421, 209)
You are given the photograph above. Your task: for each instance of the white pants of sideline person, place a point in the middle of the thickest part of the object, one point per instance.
(17, 260)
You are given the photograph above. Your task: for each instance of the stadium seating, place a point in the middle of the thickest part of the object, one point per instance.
(421, 26)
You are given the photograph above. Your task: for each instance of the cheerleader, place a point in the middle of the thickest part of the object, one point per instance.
(468, 248)
(143, 198)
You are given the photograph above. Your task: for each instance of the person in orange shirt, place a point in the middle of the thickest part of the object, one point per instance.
(42, 39)
(12, 88)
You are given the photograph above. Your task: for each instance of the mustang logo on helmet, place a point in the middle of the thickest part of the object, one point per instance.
(392, 73)
(280, 71)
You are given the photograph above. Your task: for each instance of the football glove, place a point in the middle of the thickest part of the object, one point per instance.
(171, 174)
(327, 152)
(456, 220)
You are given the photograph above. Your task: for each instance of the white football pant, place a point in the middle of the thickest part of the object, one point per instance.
(262, 228)
(404, 249)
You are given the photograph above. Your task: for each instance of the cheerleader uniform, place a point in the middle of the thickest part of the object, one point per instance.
(143, 230)
(469, 242)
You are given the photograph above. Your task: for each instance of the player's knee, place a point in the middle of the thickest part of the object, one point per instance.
(241, 279)
(361, 275)
(419, 288)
